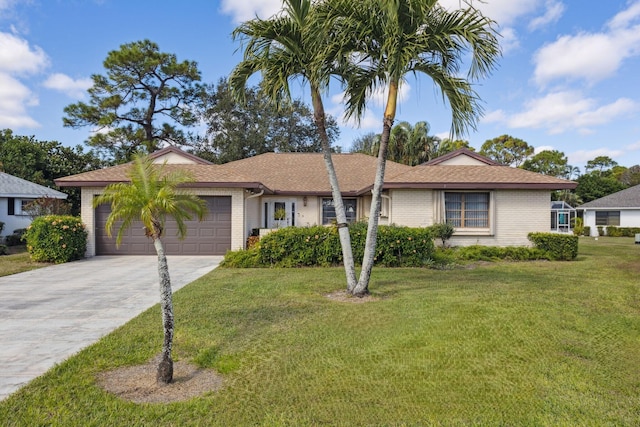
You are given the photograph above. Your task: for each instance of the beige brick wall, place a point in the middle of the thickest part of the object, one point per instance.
(237, 213)
(516, 214)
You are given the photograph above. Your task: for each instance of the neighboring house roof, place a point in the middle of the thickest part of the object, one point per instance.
(628, 198)
(305, 173)
(465, 151)
(12, 186)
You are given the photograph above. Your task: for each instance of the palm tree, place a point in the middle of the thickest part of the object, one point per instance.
(393, 38)
(286, 47)
(153, 195)
(408, 144)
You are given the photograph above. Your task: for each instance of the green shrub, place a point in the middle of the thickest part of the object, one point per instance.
(249, 258)
(1, 227)
(578, 226)
(442, 231)
(613, 231)
(320, 246)
(16, 238)
(56, 238)
(600, 230)
(558, 246)
(494, 253)
(4, 250)
(587, 231)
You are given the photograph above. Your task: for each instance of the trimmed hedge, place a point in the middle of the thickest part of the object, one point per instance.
(494, 253)
(613, 231)
(558, 246)
(56, 238)
(320, 246)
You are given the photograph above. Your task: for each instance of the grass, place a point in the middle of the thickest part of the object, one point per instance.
(18, 261)
(532, 343)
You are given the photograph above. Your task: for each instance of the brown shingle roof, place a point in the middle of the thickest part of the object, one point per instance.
(478, 177)
(305, 173)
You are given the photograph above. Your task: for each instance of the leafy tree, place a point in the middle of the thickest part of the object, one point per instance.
(600, 164)
(446, 146)
(631, 176)
(409, 144)
(293, 45)
(391, 39)
(153, 195)
(507, 150)
(548, 162)
(142, 86)
(44, 161)
(240, 130)
(593, 186)
(364, 143)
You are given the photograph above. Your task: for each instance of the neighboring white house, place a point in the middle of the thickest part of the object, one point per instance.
(15, 194)
(486, 202)
(621, 209)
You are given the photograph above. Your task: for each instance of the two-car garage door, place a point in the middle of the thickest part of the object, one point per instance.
(212, 236)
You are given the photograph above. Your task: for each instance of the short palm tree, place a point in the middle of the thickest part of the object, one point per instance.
(288, 46)
(152, 195)
(390, 39)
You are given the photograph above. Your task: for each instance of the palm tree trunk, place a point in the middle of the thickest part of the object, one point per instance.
(341, 216)
(165, 367)
(362, 288)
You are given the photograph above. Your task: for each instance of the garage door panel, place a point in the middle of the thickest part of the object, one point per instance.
(212, 236)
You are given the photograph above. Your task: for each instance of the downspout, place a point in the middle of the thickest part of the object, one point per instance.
(244, 227)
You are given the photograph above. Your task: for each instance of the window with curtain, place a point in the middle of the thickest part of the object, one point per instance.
(329, 210)
(467, 210)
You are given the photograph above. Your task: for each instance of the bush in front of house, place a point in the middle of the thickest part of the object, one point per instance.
(320, 246)
(56, 238)
(558, 246)
(495, 253)
(442, 231)
(587, 231)
(16, 238)
(613, 231)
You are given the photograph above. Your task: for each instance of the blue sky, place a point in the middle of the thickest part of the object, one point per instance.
(568, 80)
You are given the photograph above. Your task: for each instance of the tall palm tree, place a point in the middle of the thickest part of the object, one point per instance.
(393, 38)
(152, 195)
(284, 47)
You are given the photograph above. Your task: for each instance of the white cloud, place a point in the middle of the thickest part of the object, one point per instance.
(590, 56)
(509, 40)
(248, 9)
(583, 156)
(16, 56)
(553, 13)
(633, 147)
(14, 98)
(625, 18)
(496, 116)
(563, 111)
(504, 12)
(541, 148)
(72, 88)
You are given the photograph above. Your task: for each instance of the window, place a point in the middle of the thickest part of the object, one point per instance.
(608, 218)
(11, 206)
(329, 211)
(467, 210)
(23, 205)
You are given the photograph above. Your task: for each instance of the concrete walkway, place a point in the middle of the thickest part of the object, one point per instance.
(47, 315)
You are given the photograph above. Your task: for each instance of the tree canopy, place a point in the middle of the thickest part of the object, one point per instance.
(141, 87)
(548, 162)
(236, 130)
(42, 162)
(507, 150)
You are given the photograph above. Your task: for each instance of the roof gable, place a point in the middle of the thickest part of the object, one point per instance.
(461, 157)
(174, 155)
(12, 186)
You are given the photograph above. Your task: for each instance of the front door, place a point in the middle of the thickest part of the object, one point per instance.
(280, 213)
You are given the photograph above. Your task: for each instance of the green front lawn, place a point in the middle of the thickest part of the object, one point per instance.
(531, 343)
(18, 261)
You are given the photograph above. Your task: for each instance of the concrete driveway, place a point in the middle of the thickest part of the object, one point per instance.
(51, 313)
